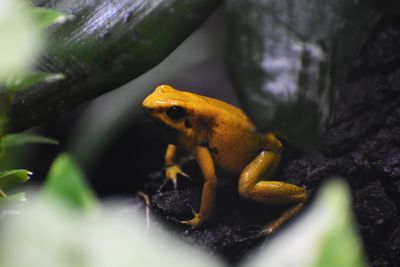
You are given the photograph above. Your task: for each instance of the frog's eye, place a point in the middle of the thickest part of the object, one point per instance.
(176, 112)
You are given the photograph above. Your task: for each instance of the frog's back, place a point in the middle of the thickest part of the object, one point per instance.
(234, 140)
(227, 112)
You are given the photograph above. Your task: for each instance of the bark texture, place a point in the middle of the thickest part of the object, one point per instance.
(362, 146)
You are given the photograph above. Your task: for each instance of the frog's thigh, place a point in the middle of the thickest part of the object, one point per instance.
(251, 186)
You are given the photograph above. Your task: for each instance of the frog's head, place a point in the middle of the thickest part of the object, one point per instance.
(176, 111)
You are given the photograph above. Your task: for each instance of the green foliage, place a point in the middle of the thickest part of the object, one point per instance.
(8, 180)
(12, 199)
(20, 38)
(19, 139)
(66, 181)
(20, 82)
(11, 178)
(340, 246)
(46, 17)
(21, 33)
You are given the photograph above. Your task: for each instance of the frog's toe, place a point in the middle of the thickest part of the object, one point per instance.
(171, 174)
(174, 183)
(196, 221)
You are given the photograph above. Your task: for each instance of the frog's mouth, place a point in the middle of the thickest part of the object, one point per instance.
(170, 133)
(165, 126)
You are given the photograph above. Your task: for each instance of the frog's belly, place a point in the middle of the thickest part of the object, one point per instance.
(234, 156)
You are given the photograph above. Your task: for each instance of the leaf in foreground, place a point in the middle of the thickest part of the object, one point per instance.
(11, 178)
(46, 17)
(10, 200)
(11, 140)
(67, 182)
(47, 234)
(20, 38)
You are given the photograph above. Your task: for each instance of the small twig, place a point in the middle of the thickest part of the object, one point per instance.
(146, 200)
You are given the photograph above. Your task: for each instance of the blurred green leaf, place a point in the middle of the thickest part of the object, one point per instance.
(46, 17)
(67, 182)
(11, 178)
(19, 139)
(340, 245)
(20, 82)
(20, 37)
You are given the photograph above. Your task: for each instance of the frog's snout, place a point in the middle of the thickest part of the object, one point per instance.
(146, 106)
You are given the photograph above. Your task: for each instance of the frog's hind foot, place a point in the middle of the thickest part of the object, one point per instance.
(260, 233)
(272, 227)
(255, 234)
(276, 224)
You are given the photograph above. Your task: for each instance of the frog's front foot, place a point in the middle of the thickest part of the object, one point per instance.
(171, 174)
(196, 221)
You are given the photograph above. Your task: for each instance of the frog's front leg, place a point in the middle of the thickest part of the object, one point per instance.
(206, 164)
(273, 192)
(172, 167)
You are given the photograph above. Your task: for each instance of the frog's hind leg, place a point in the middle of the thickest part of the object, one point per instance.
(270, 192)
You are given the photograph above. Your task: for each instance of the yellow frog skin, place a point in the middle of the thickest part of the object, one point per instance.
(221, 138)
